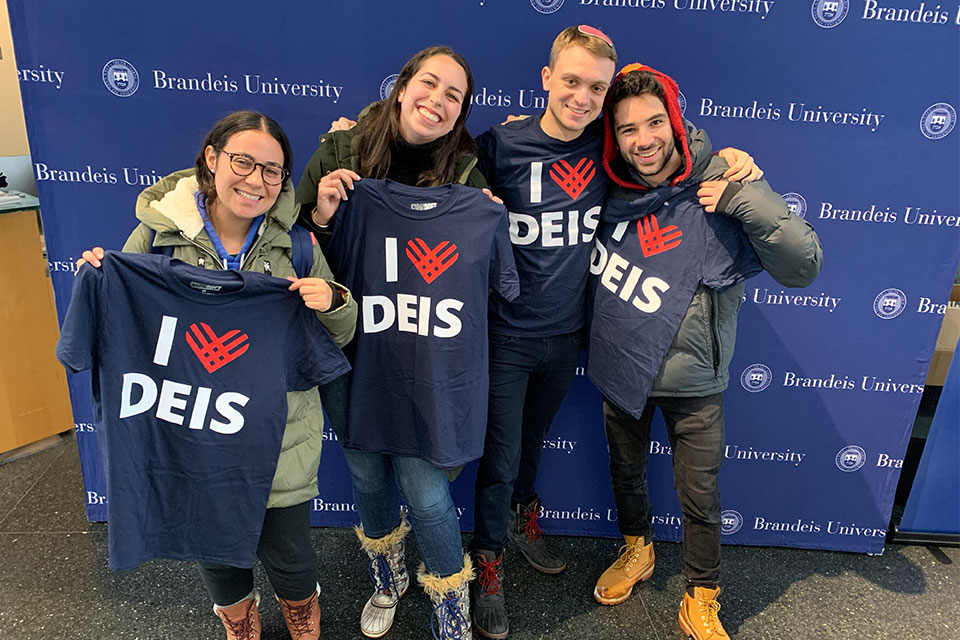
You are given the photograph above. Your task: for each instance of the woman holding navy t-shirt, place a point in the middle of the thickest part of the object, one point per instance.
(416, 136)
(233, 210)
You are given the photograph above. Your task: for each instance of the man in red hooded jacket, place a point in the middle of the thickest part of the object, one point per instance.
(676, 242)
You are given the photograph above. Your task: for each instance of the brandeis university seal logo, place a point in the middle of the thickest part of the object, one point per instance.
(756, 377)
(850, 458)
(730, 522)
(829, 13)
(387, 85)
(121, 78)
(546, 6)
(889, 303)
(796, 203)
(938, 120)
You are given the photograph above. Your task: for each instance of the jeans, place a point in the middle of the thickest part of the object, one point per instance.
(426, 491)
(695, 431)
(286, 552)
(528, 379)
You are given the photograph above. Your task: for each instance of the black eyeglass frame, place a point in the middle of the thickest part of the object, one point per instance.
(284, 173)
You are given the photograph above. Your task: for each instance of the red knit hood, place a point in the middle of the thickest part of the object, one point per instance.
(610, 151)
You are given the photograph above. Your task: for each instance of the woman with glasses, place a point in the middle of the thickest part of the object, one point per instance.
(416, 136)
(234, 210)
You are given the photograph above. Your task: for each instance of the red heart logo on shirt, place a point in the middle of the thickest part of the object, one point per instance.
(653, 239)
(571, 179)
(431, 262)
(214, 351)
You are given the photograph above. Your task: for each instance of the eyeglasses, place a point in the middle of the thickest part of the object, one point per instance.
(587, 30)
(243, 165)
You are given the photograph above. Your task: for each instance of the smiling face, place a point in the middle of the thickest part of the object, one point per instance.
(244, 197)
(577, 84)
(645, 137)
(431, 101)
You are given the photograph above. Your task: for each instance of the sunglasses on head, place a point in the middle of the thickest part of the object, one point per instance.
(587, 30)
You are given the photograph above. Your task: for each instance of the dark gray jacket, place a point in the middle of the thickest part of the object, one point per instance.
(697, 363)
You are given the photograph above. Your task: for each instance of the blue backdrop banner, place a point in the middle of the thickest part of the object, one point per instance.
(850, 106)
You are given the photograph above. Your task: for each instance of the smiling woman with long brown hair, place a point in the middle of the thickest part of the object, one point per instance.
(416, 136)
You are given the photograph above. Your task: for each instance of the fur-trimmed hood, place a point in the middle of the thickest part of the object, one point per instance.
(169, 207)
(693, 144)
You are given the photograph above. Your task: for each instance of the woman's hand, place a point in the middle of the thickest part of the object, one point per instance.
(331, 190)
(742, 167)
(709, 194)
(315, 292)
(490, 195)
(342, 124)
(91, 257)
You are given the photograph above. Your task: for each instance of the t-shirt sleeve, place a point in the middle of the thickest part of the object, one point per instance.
(503, 269)
(77, 346)
(333, 249)
(312, 357)
(486, 156)
(729, 257)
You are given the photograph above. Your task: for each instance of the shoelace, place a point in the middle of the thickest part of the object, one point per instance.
(629, 554)
(489, 577)
(299, 617)
(532, 528)
(453, 624)
(243, 628)
(381, 575)
(712, 609)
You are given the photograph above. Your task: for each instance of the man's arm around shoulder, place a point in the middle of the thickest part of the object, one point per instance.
(786, 244)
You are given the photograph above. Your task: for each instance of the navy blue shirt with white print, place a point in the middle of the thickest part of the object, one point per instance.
(190, 369)
(554, 191)
(646, 271)
(422, 263)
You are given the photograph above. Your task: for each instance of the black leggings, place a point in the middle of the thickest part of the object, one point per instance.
(287, 554)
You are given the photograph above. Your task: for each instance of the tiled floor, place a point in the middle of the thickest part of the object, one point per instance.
(55, 584)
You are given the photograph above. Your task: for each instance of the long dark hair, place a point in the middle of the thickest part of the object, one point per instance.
(380, 130)
(222, 131)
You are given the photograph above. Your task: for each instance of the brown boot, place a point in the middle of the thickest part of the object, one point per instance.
(302, 616)
(698, 615)
(634, 564)
(241, 620)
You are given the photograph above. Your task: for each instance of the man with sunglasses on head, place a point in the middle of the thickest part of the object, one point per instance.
(547, 169)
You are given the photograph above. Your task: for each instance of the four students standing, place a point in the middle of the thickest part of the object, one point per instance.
(552, 171)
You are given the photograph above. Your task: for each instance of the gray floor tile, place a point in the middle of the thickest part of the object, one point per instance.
(55, 501)
(18, 476)
(56, 584)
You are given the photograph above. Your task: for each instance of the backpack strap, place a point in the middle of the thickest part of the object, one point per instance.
(301, 250)
(166, 250)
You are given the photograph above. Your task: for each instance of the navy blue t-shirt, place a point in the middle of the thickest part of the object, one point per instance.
(190, 369)
(554, 191)
(421, 262)
(646, 272)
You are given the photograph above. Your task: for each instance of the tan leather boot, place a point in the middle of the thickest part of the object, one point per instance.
(634, 564)
(302, 616)
(698, 615)
(241, 620)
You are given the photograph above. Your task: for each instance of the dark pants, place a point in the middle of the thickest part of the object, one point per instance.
(286, 552)
(695, 431)
(528, 379)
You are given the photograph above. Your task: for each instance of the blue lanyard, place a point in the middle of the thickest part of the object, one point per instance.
(232, 261)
